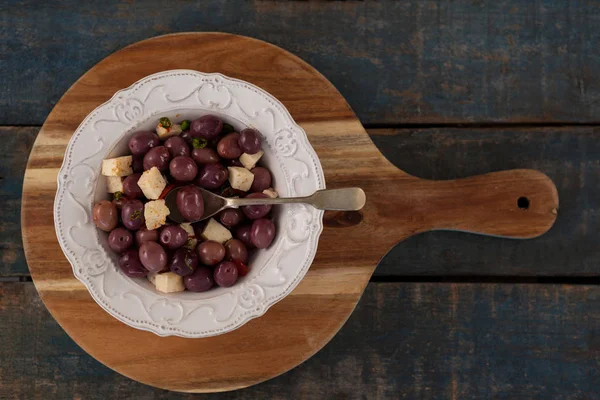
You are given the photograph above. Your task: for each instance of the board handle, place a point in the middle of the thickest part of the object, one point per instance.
(518, 204)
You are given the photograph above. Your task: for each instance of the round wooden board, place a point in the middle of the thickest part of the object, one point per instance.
(398, 206)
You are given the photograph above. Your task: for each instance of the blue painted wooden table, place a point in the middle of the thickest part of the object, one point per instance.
(446, 90)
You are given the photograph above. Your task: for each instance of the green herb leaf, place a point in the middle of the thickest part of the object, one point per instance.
(185, 124)
(226, 129)
(136, 215)
(118, 195)
(165, 122)
(199, 143)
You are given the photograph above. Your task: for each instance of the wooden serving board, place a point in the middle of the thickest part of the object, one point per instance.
(398, 206)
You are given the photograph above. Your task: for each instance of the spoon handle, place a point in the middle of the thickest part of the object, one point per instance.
(347, 199)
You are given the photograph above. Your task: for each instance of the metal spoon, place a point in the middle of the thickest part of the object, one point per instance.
(347, 199)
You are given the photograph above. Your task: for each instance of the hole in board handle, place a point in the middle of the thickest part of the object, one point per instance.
(523, 203)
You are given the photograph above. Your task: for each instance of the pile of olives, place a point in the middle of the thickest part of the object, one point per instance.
(198, 157)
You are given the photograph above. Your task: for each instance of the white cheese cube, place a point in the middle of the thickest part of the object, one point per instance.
(155, 213)
(169, 283)
(192, 241)
(119, 166)
(152, 183)
(271, 193)
(114, 184)
(215, 231)
(249, 160)
(240, 178)
(164, 133)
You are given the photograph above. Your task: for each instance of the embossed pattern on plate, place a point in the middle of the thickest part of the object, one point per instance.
(186, 94)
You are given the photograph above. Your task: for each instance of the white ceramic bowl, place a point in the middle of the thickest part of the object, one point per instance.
(185, 94)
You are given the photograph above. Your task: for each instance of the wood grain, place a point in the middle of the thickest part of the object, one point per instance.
(307, 319)
(424, 61)
(15, 144)
(404, 340)
(568, 155)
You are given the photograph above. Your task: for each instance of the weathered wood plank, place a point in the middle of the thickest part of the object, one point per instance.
(15, 144)
(570, 156)
(421, 62)
(412, 340)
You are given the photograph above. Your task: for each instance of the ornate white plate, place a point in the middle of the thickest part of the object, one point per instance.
(185, 94)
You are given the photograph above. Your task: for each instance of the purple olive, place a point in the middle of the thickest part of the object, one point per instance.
(141, 142)
(190, 202)
(236, 251)
(120, 201)
(210, 252)
(144, 235)
(183, 169)
(120, 239)
(153, 256)
(242, 232)
(200, 281)
(250, 141)
(262, 179)
(231, 217)
(184, 262)
(207, 127)
(132, 215)
(255, 212)
(229, 146)
(173, 237)
(226, 274)
(177, 146)
(262, 233)
(212, 176)
(106, 215)
(158, 157)
(131, 188)
(131, 265)
(205, 155)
